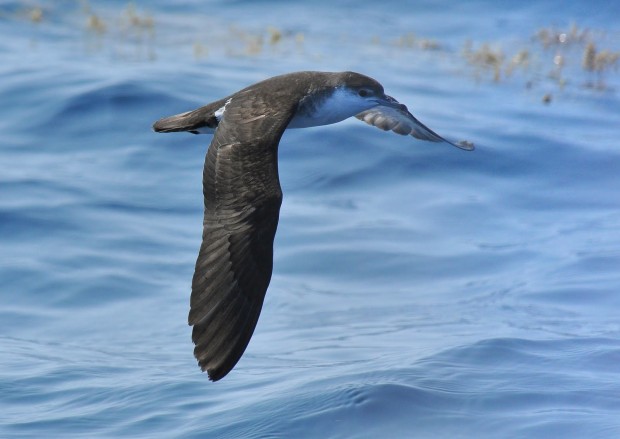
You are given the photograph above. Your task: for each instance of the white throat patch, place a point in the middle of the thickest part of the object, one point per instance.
(341, 105)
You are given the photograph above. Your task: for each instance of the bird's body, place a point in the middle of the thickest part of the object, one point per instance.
(242, 194)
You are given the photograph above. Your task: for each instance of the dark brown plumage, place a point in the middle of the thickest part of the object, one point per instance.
(242, 195)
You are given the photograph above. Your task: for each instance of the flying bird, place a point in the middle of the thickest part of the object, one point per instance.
(242, 194)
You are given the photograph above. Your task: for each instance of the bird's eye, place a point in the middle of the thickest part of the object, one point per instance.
(363, 92)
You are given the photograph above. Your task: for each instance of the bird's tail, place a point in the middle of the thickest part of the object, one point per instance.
(191, 121)
(178, 122)
(201, 120)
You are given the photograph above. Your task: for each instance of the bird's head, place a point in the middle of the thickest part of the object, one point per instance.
(363, 93)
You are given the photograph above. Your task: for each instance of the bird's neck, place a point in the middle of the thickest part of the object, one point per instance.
(326, 108)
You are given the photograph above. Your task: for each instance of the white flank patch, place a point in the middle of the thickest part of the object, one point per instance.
(220, 111)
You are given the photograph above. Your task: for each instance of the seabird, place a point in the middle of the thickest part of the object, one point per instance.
(242, 194)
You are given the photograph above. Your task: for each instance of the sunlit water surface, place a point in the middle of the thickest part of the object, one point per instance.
(418, 290)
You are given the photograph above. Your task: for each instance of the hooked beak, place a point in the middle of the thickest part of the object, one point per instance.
(389, 101)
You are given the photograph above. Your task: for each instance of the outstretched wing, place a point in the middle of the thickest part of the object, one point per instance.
(242, 199)
(401, 121)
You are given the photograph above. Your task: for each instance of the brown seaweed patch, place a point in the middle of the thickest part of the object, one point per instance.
(485, 58)
(411, 41)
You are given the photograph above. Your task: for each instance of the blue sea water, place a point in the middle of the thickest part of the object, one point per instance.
(419, 291)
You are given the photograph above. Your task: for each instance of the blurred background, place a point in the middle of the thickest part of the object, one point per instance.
(418, 290)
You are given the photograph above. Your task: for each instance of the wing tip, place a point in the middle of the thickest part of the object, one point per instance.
(214, 373)
(465, 145)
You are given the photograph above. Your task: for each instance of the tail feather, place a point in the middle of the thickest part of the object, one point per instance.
(201, 120)
(178, 122)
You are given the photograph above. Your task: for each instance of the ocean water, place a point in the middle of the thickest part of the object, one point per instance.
(419, 291)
